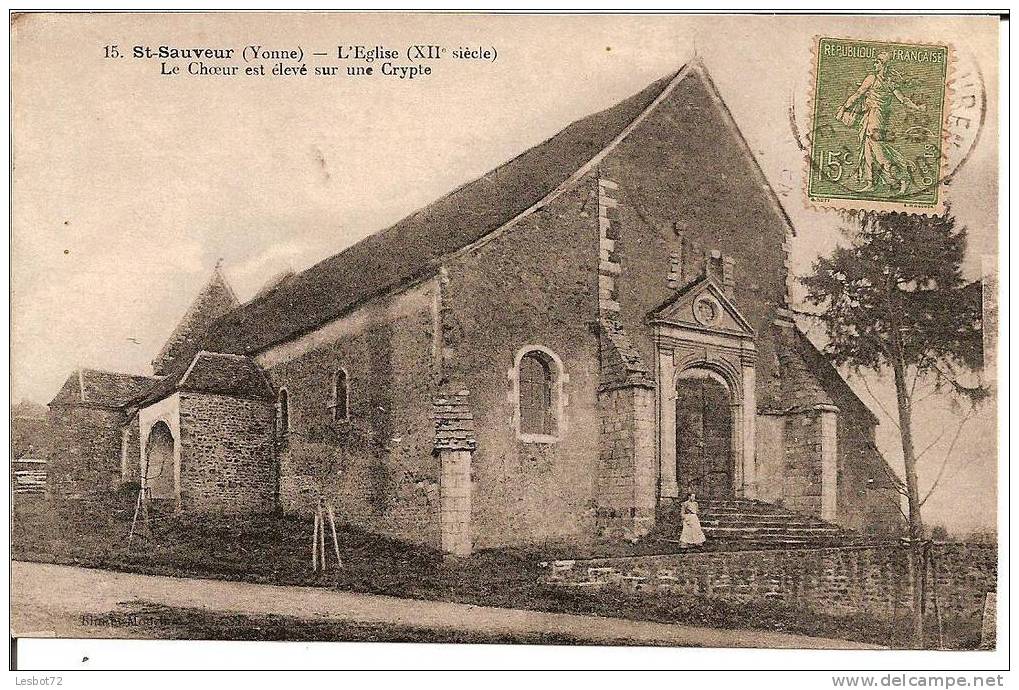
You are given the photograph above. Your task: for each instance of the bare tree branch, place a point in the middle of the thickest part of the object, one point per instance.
(930, 393)
(893, 418)
(948, 456)
(933, 443)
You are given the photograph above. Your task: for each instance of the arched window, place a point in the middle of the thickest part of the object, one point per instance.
(538, 391)
(283, 414)
(341, 396)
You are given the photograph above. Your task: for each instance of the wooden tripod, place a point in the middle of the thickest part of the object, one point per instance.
(318, 537)
(141, 512)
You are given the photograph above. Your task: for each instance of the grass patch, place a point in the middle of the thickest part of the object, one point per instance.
(275, 549)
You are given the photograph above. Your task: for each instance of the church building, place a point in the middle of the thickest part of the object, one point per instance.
(556, 352)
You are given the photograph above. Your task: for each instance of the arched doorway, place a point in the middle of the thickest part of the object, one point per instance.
(159, 462)
(705, 462)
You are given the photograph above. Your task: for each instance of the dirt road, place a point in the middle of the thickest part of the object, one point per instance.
(60, 601)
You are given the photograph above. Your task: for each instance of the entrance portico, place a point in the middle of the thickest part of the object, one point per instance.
(705, 381)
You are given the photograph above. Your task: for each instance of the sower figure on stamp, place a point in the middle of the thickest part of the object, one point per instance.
(875, 96)
(692, 534)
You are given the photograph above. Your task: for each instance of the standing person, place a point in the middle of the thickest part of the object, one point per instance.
(692, 534)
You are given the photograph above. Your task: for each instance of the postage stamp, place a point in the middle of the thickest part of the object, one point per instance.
(876, 135)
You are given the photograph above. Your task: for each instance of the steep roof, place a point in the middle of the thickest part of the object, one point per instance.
(102, 388)
(806, 378)
(830, 378)
(215, 373)
(215, 300)
(412, 248)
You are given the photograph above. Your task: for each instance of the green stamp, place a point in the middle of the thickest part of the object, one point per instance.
(878, 122)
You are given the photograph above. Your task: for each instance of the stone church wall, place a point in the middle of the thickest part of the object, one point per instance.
(627, 478)
(226, 461)
(377, 469)
(789, 455)
(770, 457)
(686, 185)
(801, 475)
(867, 501)
(535, 284)
(130, 460)
(86, 452)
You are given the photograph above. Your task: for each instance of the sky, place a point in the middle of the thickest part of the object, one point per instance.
(129, 185)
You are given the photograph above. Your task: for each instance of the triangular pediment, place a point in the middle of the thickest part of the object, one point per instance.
(704, 306)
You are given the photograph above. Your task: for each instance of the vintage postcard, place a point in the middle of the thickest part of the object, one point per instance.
(540, 329)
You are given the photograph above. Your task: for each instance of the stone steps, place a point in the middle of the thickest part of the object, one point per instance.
(751, 517)
(745, 523)
(756, 529)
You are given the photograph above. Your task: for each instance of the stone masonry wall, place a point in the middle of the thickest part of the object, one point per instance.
(534, 284)
(801, 475)
(85, 454)
(627, 480)
(868, 579)
(867, 500)
(131, 448)
(226, 454)
(377, 468)
(770, 457)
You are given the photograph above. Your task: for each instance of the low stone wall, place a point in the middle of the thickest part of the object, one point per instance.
(840, 580)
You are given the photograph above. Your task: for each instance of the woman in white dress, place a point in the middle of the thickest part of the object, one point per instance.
(692, 534)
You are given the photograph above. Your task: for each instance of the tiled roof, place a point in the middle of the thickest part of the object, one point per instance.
(29, 410)
(102, 388)
(454, 422)
(412, 248)
(621, 363)
(828, 377)
(805, 378)
(215, 300)
(215, 373)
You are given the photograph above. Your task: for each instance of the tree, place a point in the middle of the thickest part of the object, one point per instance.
(895, 299)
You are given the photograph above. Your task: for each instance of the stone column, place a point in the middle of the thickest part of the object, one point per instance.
(738, 449)
(125, 458)
(829, 461)
(454, 445)
(455, 501)
(645, 479)
(667, 424)
(626, 482)
(749, 426)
